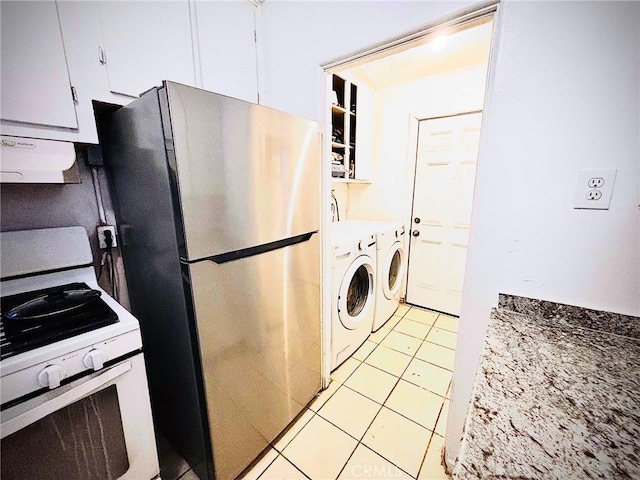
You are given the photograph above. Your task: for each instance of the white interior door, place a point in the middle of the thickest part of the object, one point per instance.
(442, 199)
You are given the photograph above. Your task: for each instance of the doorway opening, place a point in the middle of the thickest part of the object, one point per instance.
(387, 148)
(387, 159)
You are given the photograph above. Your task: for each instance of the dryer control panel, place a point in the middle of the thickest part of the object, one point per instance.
(355, 246)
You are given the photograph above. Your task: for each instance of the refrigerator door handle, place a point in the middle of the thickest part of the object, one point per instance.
(252, 251)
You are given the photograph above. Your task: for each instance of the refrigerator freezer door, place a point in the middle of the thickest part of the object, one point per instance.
(258, 324)
(247, 174)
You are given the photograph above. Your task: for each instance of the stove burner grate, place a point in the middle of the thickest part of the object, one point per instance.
(18, 335)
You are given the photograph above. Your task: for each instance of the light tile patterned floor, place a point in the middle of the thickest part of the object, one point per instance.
(384, 413)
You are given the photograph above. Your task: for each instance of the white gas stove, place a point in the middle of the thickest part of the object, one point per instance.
(64, 344)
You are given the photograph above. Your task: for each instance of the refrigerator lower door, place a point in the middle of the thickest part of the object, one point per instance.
(258, 324)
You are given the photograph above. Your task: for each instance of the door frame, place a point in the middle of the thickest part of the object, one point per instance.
(458, 19)
(410, 182)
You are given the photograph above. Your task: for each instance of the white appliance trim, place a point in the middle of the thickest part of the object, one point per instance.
(386, 266)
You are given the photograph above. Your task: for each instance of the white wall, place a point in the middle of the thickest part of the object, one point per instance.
(341, 192)
(301, 36)
(564, 97)
(389, 195)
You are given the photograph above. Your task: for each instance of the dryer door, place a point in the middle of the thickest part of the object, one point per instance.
(393, 271)
(356, 296)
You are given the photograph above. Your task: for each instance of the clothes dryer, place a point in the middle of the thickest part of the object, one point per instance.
(390, 259)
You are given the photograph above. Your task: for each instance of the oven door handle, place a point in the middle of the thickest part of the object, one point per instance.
(67, 398)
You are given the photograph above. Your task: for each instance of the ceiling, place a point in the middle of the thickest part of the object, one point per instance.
(458, 50)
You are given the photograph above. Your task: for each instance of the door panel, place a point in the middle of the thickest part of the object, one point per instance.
(146, 43)
(35, 80)
(228, 40)
(248, 175)
(258, 326)
(443, 196)
(435, 195)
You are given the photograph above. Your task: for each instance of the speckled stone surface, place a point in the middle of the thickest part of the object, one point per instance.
(581, 317)
(552, 400)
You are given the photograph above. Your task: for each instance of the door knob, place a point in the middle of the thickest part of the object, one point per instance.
(415, 233)
(416, 220)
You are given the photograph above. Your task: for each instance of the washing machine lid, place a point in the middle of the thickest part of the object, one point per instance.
(393, 271)
(357, 294)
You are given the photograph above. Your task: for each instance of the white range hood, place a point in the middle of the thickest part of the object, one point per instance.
(31, 160)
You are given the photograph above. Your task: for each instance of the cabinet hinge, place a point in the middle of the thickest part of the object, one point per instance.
(74, 94)
(102, 56)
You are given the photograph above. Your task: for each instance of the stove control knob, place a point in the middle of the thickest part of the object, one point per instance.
(51, 376)
(95, 359)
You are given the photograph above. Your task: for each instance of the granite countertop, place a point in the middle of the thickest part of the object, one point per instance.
(554, 400)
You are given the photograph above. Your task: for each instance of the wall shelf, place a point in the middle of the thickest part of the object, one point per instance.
(343, 129)
(350, 180)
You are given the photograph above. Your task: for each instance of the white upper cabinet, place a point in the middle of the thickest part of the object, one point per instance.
(35, 79)
(112, 51)
(227, 48)
(145, 43)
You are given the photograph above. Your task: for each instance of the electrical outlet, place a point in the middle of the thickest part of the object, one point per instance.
(595, 182)
(594, 189)
(594, 194)
(105, 232)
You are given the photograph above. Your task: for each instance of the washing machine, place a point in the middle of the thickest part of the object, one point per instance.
(390, 260)
(390, 264)
(353, 290)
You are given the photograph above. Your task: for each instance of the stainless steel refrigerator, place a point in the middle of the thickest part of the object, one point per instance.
(217, 205)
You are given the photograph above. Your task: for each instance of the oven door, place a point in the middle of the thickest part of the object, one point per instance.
(97, 427)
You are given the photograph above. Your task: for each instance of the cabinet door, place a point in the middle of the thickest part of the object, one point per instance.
(145, 43)
(227, 48)
(35, 80)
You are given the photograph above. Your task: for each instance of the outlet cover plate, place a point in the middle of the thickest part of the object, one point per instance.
(598, 198)
(101, 236)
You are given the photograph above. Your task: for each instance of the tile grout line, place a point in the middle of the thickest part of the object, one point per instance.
(381, 406)
(293, 464)
(282, 434)
(395, 385)
(377, 453)
(343, 430)
(433, 432)
(377, 413)
(270, 463)
(359, 441)
(347, 462)
(424, 456)
(387, 398)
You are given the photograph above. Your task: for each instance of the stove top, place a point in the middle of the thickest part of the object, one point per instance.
(41, 317)
(53, 312)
